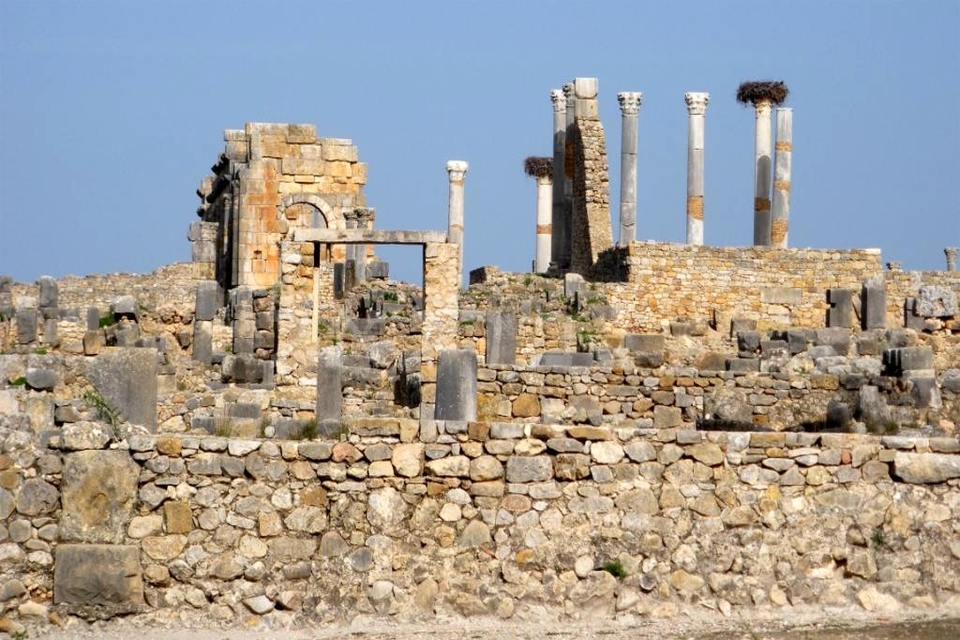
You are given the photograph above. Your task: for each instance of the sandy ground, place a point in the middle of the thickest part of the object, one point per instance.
(794, 624)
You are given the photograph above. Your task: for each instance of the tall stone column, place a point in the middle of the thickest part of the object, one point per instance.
(350, 253)
(697, 109)
(780, 219)
(629, 110)
(364, 220)
(559, 150)
(566, 232)
(544, 228)
(951, 253)
(761, 175)
(456, 170)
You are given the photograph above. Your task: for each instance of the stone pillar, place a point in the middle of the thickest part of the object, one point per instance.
(559, 151)
(697, 108)
(761, 175)
(951, 253)
(629, 110)
(456, 169)
(566, 248)
(544, 228)
(780, 219)
(364, 220)
(350, 254)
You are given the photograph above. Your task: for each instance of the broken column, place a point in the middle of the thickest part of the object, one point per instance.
(629, 110)
(541, 168)
(557, 227)
(456, 170)
(779, 223)
(951, 253)
(207, 302)
(697, 109)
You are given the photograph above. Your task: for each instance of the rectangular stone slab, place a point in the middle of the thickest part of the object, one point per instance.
(98, 574)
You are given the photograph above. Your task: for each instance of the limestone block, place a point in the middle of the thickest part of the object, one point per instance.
(873, 303)
(99, 493)
(94, 574)
(329, 403)
(501, 334)
(26, 325)
(840, 313)
(925, 468)
(127, 380)
(935, 302)
(457, 385)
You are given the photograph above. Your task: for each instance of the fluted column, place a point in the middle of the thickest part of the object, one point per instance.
(364, 217)
(780, 218)
(456, 170)
(697, 109)
(559, 151)
(629, 110)
(951, 253)
(761, 176)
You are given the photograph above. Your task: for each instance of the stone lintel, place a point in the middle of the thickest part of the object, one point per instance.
(368, 236)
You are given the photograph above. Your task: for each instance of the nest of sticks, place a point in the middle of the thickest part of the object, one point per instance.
(774, 91)
(538, 166)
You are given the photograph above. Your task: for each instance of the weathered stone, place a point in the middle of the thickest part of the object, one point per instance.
(164, 548)
(386, 509)
(408, 459)
(41, 379)
(127, 381)
(457, 466)
(456, 385)
(501, 335)
(529, 469)
(935, 302)
(925, 468)
(526, 405)
(99, 493)
(606, 452)
(94, 574)
(81, 436)
(485, 468)
(37, 497)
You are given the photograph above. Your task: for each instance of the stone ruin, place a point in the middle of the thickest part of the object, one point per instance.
(276, 431)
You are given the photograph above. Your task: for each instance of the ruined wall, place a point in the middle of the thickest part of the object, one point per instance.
(591, 227)
(500, 519)
(775, 287)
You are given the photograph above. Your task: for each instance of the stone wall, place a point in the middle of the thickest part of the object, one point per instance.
(492, 519)
(591, 228)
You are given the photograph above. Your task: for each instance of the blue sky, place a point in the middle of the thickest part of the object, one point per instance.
(112, 112)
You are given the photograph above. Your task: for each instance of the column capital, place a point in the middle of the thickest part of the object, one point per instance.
(364, 214)
(630, 102)
(457, 169)
(568, 90)
(696, 102)
(559, 101)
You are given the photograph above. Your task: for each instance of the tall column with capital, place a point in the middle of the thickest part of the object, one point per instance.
(780, 218)
(364, 217)
(697, 109)
(629, 110)
(542, 169)
(456, 170)
(566, 230)
(951, 254)
(559, 150)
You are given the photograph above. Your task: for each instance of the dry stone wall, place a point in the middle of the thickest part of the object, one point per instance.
(492, 519)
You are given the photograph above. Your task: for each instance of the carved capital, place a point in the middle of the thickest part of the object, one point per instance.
(457, 169)
(559, 101)
(630, 102)
(363, 215)
(696, 102)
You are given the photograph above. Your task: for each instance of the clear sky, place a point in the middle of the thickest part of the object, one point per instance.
(112, 112)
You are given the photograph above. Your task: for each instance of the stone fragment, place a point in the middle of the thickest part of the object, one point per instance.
(925, 468)
(41, 379)
(126, 378)
(94, 574)
(408, 459)
(37, 497)
(606, 452)
(450, 466)
(529, 469)
(501, 337)
(456, 385)
(873, 303)
(259, 604)
(935, 302)
(99, 494)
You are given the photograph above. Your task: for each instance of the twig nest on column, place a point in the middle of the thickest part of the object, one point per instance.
(774, 91)
(538, 166)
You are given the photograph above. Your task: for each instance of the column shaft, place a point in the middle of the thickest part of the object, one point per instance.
(780, 218)
(544, 210)
(559, 150)
(457, 170)
(629, 110)
(697, 109)
(566, 230)
(761, 177)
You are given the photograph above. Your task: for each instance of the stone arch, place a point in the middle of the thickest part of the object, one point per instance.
(311, 211)
(332, 218)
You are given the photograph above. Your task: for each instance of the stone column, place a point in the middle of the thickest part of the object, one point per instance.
(350, 253)
(364, 220)
(566, 232)
(761, 175)
(544, 229)
(697, 108)
(951, 253)
(456, 169)
(559, 150)
(629, 110)
(780, 219)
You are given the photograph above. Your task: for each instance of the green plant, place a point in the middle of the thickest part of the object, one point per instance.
(878, 539)
(19, 634)
(527, 280)
(307, 431)
(322, 327)
(468, 322)
(106, 411)
(391, 296)
(107, 320)
(40, 351)
(615, 568)
(221, 424)
(19, 381)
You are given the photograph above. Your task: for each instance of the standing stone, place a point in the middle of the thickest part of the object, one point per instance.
(697, 109)
(501, 332)
(330, 385)
(456, 170)
(558, 226)
(840, 313)
(244, 320)
(629, 110)
(93, 319)
(96, 574)
(570, 114)
(49, 296)
(780, 219)
(364, 217)
(207, 300)
(99, 493)
(873, 303)
(127, 381)
(26, 325)
(457, 385)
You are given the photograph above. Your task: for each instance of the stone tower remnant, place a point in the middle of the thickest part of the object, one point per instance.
(629, 111)
(697, 109)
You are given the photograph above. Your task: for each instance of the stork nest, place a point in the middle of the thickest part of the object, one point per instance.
(538, 166)
(753, 92)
